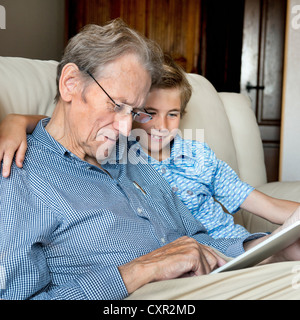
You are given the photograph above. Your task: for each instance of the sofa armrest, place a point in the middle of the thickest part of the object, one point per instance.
(282, 190)
(246, 138)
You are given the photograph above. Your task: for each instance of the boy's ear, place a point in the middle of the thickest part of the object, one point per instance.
(69, 82)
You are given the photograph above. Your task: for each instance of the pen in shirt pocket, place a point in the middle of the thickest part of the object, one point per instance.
(139, 187)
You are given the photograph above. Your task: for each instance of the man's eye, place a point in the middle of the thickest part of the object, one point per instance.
(111, 106)
(150, 112)
(120, 107)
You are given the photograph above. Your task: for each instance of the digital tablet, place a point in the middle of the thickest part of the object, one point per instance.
(263, 250)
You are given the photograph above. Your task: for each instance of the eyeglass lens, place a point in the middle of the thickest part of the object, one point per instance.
(142, 117)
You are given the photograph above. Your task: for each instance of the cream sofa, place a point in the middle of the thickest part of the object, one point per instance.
(29, 86)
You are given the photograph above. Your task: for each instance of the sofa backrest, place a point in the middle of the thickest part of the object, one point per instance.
(27, 86)
(205, 110)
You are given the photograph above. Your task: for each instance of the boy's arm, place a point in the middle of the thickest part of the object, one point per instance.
(272, 209)
(13, 142)
(227, 186)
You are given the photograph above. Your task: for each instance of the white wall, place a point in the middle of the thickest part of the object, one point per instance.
(290, 132)
(34, 29)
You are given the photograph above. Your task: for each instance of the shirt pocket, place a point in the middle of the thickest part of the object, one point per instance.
(165, 211)
(194, 196)
(156, 194)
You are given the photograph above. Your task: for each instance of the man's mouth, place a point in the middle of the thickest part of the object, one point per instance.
(111, 139)
(104, 138)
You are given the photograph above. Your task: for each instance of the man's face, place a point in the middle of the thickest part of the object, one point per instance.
(94, 124)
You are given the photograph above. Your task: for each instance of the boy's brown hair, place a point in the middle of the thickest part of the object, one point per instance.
(174, 77)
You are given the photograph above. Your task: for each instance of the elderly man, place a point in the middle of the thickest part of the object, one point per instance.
(75, 226)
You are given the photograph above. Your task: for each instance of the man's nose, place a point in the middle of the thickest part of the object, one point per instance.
(124, 124)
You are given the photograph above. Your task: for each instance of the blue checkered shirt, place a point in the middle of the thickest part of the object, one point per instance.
(199, 178)
(66, 225)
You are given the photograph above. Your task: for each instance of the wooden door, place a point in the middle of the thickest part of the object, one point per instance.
(262, 70)
(174, 24)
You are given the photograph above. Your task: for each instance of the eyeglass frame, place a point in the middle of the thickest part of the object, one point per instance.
(118, 107)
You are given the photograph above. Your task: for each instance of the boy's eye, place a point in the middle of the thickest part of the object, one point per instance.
(173, 115)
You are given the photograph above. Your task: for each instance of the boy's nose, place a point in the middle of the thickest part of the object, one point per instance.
(161, 123)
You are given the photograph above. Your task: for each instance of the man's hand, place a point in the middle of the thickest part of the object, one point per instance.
(183, 257)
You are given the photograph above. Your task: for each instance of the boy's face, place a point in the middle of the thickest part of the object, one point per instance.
(164, 107)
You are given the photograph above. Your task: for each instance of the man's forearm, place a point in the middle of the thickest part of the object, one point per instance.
(135, 275)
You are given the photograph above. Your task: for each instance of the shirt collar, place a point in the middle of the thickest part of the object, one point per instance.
(40, 134)
(180, 149)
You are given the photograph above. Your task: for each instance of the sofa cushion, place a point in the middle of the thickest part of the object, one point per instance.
(27, 86)
(205, 110)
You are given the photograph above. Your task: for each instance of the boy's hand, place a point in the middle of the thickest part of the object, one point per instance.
(13, 142)
(290, 253)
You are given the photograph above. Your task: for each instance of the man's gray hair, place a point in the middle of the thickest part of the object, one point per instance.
(95, 46)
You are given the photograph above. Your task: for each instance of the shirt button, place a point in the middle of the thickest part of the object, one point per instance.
(174, 189)
(163, 170)
(139, 210)
(190, 192)
(163, 240)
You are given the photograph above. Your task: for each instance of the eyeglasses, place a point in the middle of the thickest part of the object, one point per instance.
(141, 117)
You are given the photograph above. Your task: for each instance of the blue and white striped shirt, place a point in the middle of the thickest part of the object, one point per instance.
(66, 225)
(199, 178)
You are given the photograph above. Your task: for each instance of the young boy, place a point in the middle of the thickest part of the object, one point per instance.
(200, 180)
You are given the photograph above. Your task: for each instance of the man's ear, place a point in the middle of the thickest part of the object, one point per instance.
(69, 81)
